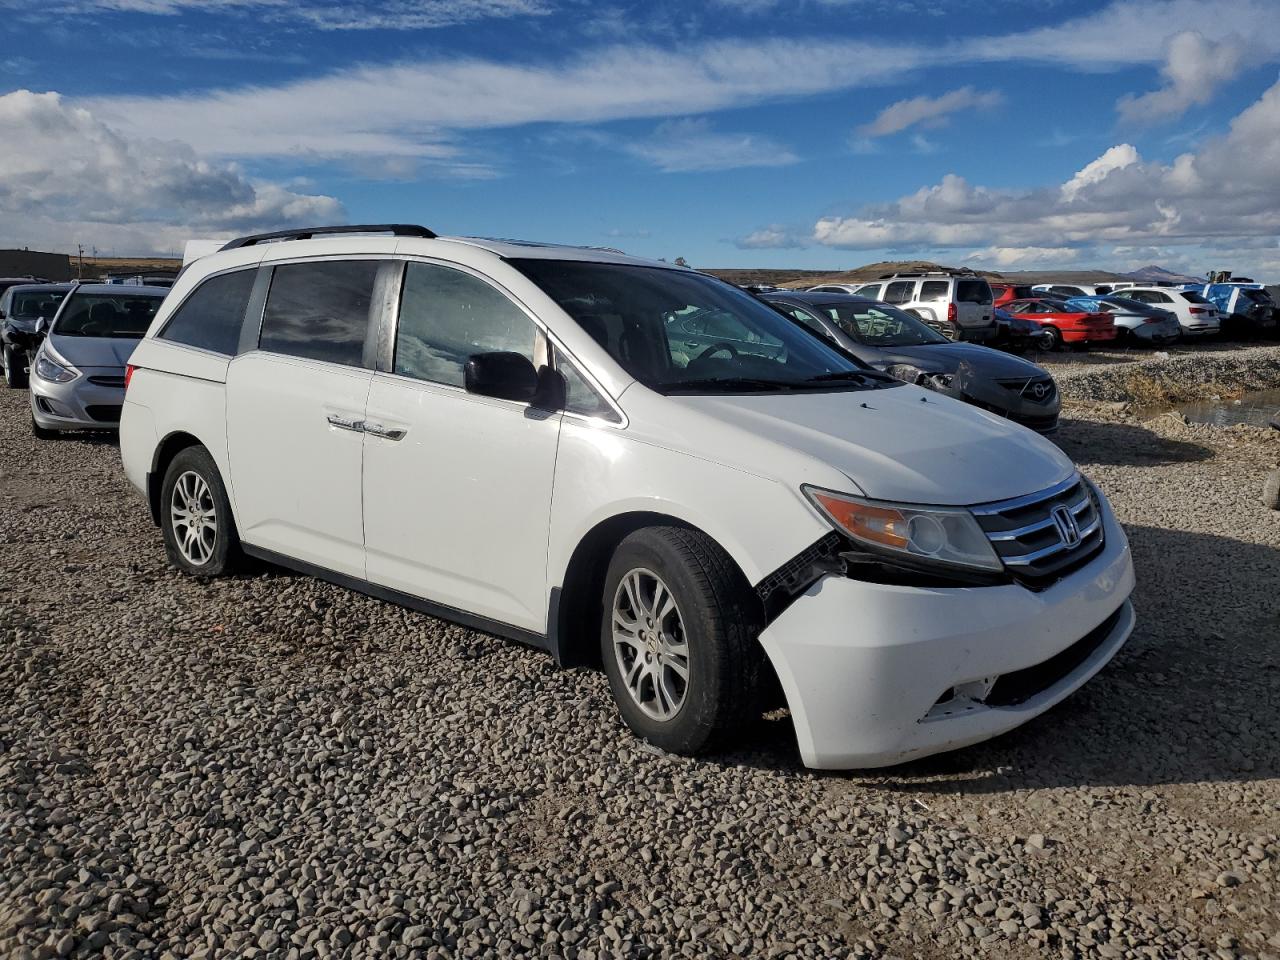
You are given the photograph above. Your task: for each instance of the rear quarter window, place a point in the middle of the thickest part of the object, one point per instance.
(934, 290)
(320, 310)
(973, 291)
(211, 316)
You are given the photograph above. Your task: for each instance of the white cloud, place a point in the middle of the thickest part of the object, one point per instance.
(1023, 256)
(365, 15)
(773, 237)
(1194, 69)
(681, 146)
(929, 111)
(1226, 193)
(76, 175)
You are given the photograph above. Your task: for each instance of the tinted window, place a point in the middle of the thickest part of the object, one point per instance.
(899, 292)
(30, 305)
(320, 310)
(107, 315)
(881, 325)
(871, 290)
(973, 291)
(446, 316)
(934, 290)
(210, 318)
(807, 319)
(1193, 297)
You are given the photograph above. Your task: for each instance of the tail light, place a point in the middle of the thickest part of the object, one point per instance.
(1199, 310)
(128, 374)
(952, 313)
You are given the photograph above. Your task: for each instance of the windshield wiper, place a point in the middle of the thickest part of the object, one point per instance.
(733, 383)
(863, 375)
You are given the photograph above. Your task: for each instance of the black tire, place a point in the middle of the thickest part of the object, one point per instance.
(43, 433)
(1271, 490)
(15, 368)
(223, 553)
(721, 621)
(1053, 339)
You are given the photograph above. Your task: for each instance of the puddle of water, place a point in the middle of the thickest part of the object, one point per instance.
(1255, 409)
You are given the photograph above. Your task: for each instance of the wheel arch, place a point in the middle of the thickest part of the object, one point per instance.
(168, 448)
(574, 609)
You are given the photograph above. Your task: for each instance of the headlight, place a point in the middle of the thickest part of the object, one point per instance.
(946, 535)
(54, 372)
(913, 374)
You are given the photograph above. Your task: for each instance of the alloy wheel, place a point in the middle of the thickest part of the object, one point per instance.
(650, 645)
(194, 517)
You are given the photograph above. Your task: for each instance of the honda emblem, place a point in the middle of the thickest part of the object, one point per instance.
(1068, 529)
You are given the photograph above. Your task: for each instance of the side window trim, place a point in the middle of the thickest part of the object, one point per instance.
(546, 342)
(251, 327)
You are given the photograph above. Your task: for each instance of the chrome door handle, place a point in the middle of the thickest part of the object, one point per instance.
(387, 433)
(344, 423)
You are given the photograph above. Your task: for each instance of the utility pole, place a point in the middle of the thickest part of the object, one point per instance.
(80, 256)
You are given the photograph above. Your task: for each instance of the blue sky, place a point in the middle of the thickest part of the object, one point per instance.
(814, 133)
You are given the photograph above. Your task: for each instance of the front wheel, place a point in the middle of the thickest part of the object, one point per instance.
(195, 516)
(15, 367)
(1053, 339)
(679, 639)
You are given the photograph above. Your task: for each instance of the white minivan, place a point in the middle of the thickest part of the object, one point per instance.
(629, 464)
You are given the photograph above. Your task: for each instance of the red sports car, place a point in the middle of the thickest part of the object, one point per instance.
(1065, 324)
(1005, 292)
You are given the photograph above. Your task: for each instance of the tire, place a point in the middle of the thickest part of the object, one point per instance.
(199, 549)
(1053, 339)
(714, 613)
(15, 368)
(1271, 490)
(43, 433)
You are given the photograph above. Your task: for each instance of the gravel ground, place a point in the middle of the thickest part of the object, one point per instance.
(269, 766)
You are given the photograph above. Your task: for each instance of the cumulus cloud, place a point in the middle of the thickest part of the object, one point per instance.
(1194, 68)
(74, 172)
(1226, 192)
(1009, 257)
(929, 111)
(680, 146)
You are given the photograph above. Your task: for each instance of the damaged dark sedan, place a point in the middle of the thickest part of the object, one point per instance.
(894, 341)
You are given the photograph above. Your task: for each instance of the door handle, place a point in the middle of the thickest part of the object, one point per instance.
(344, 423)
(387, 433)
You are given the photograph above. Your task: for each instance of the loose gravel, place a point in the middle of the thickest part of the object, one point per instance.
(269, 766)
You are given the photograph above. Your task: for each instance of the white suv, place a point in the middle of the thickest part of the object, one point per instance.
(630, 464)
(1196, 315)
(956, 305)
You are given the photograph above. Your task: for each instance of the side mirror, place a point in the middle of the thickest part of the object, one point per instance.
(42, 326)
(505, 375)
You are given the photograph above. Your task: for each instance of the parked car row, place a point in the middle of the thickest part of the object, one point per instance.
(730, 502)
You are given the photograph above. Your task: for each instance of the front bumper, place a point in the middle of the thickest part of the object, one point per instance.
(81, 404)
(867, 668)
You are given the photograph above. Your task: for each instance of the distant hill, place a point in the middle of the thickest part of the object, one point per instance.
(1153, 273)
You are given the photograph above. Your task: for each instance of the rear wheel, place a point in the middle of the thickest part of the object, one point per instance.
(1053, 339)
(15, 367)
(679, 639)
(195, 516)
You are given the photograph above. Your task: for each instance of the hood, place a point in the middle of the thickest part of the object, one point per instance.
(949, 357)
(94, 351)
(902, 443)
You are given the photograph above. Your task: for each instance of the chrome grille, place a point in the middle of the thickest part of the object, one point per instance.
(1042, 535)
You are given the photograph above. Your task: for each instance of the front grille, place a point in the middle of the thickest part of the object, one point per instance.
(1032, 534)
(104, 412)
(1021, 685)
(1035, 389)
(105, 381)
(1043, 423)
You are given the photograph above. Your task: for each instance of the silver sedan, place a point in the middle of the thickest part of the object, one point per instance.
(78, 373)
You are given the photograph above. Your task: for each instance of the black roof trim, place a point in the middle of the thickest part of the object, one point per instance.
(306, 233)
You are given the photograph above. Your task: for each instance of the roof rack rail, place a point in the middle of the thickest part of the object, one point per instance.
(306, 233)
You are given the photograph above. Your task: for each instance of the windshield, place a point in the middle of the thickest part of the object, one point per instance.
(30, 305)
(107, 315)
(1193, 297)
(678, 331)
(1257, 296)
(878, 324)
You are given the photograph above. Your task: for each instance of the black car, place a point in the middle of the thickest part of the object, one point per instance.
(1018, 334)
(888, 339)
(21, 306)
